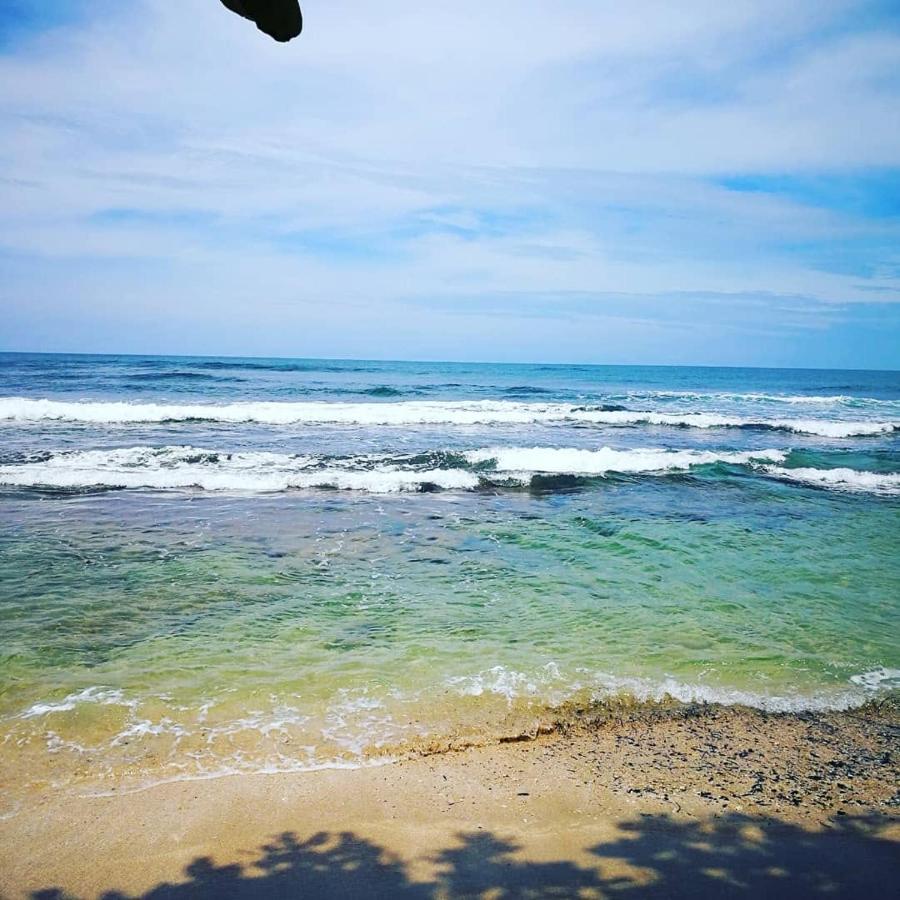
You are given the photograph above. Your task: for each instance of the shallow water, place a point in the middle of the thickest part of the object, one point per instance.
(249, 565)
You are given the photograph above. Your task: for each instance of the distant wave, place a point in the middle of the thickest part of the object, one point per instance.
(178, 376)
(755, 396)
(408, 413)
(281, 366)
(525, 390)
(381, 391)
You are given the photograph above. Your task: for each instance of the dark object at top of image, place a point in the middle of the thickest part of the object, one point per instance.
(280, 19)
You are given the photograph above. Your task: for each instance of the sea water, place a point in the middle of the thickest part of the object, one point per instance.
(210, 565)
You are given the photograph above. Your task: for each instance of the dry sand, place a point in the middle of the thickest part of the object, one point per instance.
(654, 802)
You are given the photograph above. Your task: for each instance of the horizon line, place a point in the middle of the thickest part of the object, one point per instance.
(560, 365)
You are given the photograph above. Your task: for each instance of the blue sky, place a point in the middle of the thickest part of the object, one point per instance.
(569, 181)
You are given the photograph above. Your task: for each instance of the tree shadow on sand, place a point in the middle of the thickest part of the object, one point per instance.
(653, 856)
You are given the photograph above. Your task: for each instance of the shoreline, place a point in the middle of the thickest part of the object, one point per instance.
(97, 769)
(576, 808)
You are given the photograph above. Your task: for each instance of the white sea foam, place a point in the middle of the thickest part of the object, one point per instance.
(355, 712)
(822, 427)
(190, 468)
(881, 678)
(357, 722)
(512, 684)
(560, 460)
(146, 728)
(181, 468)
(407, 413)
(95, 694)
(755, 396)
(646, 689)
(840, 479)
(549, 686)
(279, 720)
(170, 468)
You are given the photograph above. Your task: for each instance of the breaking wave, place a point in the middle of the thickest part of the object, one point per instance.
(167, 468)
(568, 461)
(545, 468)
(840, 479)
(409, 413)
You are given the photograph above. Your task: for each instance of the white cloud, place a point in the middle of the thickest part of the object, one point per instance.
(452, 151)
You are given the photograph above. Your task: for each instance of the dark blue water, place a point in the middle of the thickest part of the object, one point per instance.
(229, 378)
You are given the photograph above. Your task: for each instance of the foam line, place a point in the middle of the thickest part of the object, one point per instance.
(407, 413)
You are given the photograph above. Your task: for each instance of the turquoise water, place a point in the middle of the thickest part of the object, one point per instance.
(219, 565)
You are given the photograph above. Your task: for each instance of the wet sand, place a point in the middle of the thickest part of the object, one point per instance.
(679, 801)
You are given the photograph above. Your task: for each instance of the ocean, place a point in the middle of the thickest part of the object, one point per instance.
(218, 565)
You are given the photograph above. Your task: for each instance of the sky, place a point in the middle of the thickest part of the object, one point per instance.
(699, 183)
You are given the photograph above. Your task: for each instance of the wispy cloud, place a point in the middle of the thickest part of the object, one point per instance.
(403, 177)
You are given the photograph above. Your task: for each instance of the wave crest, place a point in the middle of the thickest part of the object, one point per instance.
(409, 413)
(184, 467)
(840, 479)
(538, 468)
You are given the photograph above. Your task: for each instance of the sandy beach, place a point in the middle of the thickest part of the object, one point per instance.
(669, 801)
